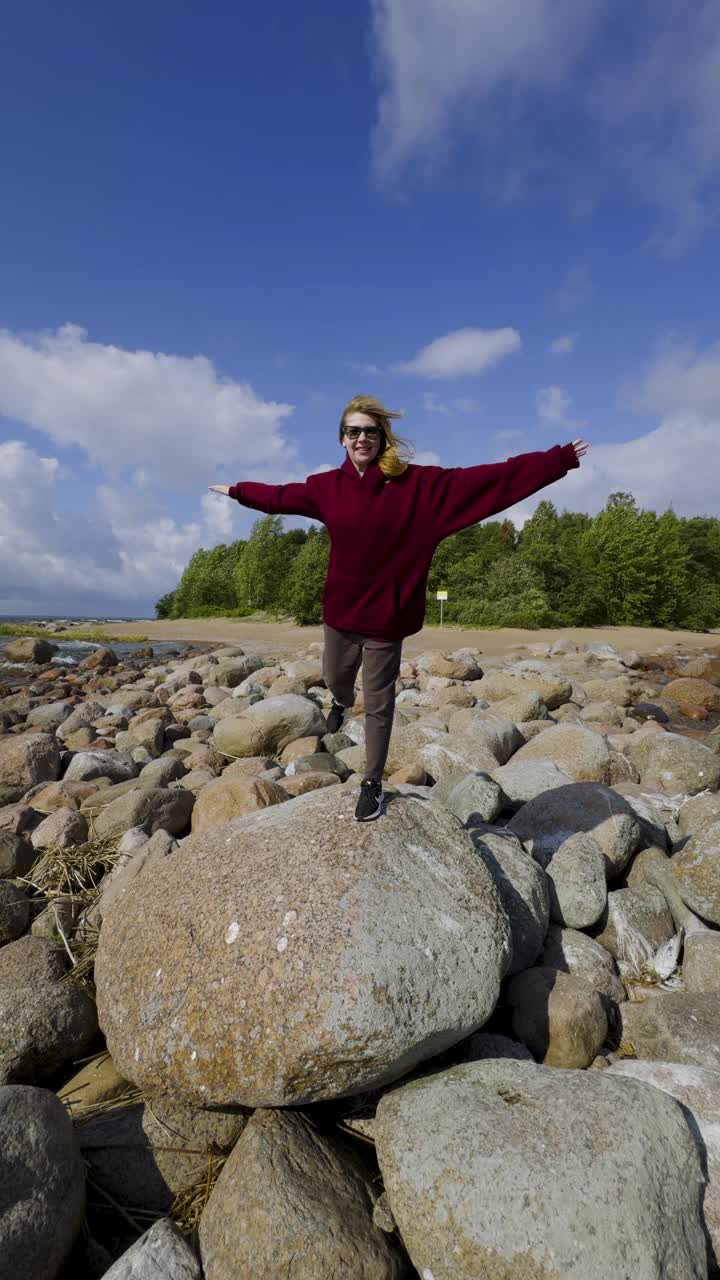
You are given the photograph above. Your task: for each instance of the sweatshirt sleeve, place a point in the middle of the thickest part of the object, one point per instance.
(461, 496)
(277, 499)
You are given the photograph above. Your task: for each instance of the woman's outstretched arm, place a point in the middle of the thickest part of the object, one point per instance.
(460, 496)
(273, 499)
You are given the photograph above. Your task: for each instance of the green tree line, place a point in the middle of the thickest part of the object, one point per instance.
(623, 566)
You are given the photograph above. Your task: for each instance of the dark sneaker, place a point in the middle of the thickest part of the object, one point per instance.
(336, 718)
(370, 802)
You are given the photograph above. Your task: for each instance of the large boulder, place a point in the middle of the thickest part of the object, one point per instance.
(523, 888)
(223, 799)
(699, 811)
(576, 878)
(14, 912)
(151, 808)
(86, 765)
(545, 823)
(487, 1169)
(29, 649)
(674, 763)
(675, 1026)
(162, 1253)
(561, 1018)
(500, 736)
(43, 1025)
(573, 952)
(525, 780)
(146, 1152)
(26, 759)
(636, 922)
(692, 691)
(293, 956)
(472, 797)
(268, 726)
(48, 715)
(553, 688)
(42, 1184)
(696, 872)
(293, 1201)
(697, 1089)
(80, 717)
(577, 750)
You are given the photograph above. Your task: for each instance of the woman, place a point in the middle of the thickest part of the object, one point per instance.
(385, 517)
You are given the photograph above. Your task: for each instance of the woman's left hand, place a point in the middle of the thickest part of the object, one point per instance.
(580, 448)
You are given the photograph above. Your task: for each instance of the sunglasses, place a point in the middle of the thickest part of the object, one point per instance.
(370, 433)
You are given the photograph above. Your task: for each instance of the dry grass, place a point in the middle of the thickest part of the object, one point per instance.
(74, 876)
(189, 1204)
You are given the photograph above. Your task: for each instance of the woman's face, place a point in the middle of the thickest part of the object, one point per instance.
(362, 449)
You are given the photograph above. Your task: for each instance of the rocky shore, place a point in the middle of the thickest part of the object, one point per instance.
(243, 1036)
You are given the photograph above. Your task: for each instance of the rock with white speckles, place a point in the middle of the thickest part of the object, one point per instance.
(268, 726)
(506, 1169)
(294, 955)
(292, 1201)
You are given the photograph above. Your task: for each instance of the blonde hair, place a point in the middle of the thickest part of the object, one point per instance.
(395, 451)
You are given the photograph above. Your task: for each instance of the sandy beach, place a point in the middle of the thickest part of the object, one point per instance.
(286, 637)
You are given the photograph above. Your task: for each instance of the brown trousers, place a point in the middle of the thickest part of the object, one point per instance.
(343, 654)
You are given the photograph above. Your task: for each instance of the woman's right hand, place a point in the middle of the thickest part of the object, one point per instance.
(220, 488)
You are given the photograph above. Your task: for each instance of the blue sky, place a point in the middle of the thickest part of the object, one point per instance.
(217, 225)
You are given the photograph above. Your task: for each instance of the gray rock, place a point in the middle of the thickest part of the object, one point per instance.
(397, 924)
(49, 715)
(576, 876)
(486, 1170)
(145, 1153)
(696, 872)
(86, 765)
(233, 671)
(268, 726)
(523, 889)
(31, 962)
(162, 1253)
(573, 952)
(472, 797)
(636, 923)
(138, 856)
(150, 808)
(674, 763)
(699, 811)
(675, 1026)
(63, 827)
(574, 748)
(701, 961)
(26, 759)
(29, 649)
(697, 1089)
(561, 1018)
(494, 733)
(16, 855)
(294, 1201)
(41, 1028)
(14, 912)
(545, 823)
(160, 773)
(83, 715)
(42, 1184)
(524, 780)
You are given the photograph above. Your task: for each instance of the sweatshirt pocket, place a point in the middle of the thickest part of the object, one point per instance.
(350, 604)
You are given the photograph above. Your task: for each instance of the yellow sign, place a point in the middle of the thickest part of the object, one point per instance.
(442, 595)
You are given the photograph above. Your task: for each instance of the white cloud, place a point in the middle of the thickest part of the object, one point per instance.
(426, 458)
(563, 345)
(554, 405)
(463, 352)
(450, 408)
(508, 435)
(122, 549)
(679, 379)
(648, 467)
(174, 418)
(647, 94)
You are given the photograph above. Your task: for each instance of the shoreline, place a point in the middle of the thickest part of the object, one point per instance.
(286, 635)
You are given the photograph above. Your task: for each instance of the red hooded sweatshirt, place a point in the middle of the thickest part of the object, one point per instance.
(383, 532)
